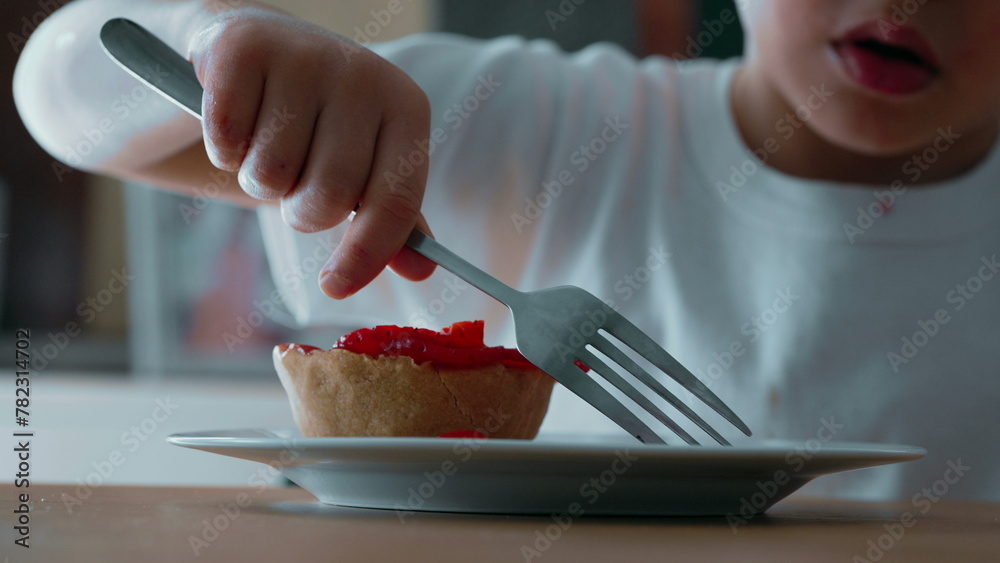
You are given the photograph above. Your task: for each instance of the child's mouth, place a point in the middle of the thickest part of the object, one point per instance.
(891, 52)
(896, 61)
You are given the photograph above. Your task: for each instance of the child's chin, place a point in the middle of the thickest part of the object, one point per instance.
(873, 138)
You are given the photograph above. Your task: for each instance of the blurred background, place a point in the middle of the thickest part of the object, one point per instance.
(144, 307)
(67, 238)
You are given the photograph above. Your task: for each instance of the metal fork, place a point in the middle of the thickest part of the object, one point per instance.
(554, 327)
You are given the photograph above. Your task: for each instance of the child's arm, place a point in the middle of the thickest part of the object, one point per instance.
(295, 113)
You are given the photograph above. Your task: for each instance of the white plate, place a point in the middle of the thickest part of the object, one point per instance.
(550, 475)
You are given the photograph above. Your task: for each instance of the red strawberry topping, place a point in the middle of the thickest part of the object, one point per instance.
(460, 345)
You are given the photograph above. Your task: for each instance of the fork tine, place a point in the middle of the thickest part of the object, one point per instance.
(589, 390)
(622, 329)
(604, 346)
(607, 372)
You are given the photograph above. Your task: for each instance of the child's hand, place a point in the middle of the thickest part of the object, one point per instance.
(319, 124)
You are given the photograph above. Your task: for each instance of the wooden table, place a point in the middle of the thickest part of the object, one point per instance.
(151, 524)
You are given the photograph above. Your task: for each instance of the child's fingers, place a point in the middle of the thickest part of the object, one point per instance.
(409, 263)
(281, 139)
(230, 107)
(336, 170)
(373, 239)
(390, 205)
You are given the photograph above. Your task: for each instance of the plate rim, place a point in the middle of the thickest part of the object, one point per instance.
(218, 439)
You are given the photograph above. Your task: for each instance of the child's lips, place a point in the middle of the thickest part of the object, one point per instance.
(896, 61)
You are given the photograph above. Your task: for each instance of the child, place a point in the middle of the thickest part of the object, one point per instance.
(812, 230)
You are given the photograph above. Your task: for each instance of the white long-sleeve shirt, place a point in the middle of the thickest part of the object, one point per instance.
(814, 309)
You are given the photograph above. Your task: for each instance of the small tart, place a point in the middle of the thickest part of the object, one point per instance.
(459, 385)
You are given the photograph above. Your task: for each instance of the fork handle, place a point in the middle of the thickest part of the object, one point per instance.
(434, 251)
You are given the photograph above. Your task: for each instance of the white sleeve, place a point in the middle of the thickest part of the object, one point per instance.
(81, 107)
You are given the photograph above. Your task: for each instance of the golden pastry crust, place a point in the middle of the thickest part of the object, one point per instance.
(341, 393)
